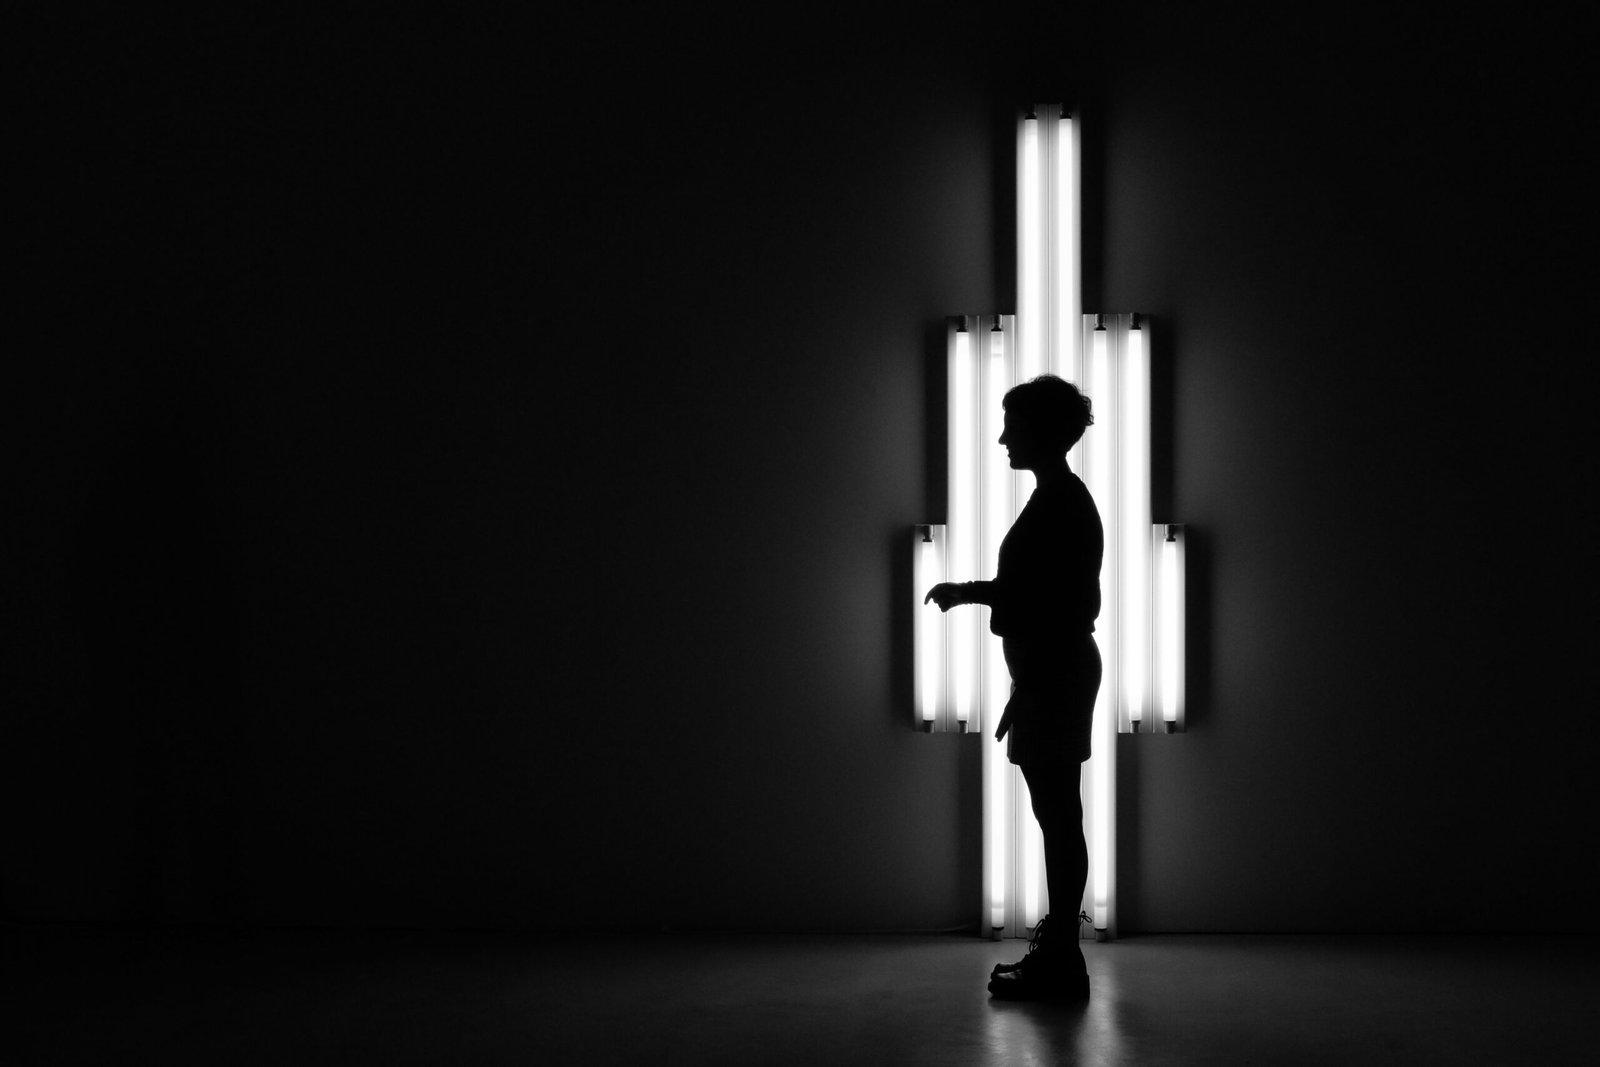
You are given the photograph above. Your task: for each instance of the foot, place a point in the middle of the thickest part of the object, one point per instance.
(1035, 943)
(1050, 970)
(1029, 982)
(1061, 952)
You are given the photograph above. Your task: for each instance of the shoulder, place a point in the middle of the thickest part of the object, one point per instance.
(1072, 503)
(1069, 494)
(1077, 494)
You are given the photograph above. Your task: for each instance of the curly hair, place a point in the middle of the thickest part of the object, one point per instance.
(1053, 409)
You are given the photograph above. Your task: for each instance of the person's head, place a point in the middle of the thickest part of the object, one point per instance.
(1045, 417)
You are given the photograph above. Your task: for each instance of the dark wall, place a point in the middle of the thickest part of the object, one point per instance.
(471, 470)
(1368, 247)
(461, 472)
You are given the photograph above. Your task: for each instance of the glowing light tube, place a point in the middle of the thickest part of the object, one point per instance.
(996, 837)
(1100, 454)
(1031, 324)
(1065, 359)
(929, 626)
(999, 509)
(1102, 831)
(963, 555)
(1133, 525)
(1047, 339)
(1170, 548)
(1141, 577)
(999, 777)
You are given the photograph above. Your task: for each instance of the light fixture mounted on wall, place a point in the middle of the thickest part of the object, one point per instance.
(1140, 629)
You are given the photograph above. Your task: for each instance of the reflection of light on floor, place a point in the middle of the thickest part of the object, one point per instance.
(496, 996)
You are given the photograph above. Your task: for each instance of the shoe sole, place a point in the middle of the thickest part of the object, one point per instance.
(1012, 989)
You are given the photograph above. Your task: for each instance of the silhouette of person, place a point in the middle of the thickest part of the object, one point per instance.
(1043, 601)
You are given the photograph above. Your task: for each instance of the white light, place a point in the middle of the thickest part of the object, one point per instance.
(930, 629)
(1032, 873)
(1101, 768)
(1169, 630)
(1139, 631)
(1100, 442)
(996, 830)
(1169, 547)
(1030, 272)
(980, 512)
(1102, 851)
(1065, 360)
(997, 516)
(1133, 494)
(963, 554)
(999, 776)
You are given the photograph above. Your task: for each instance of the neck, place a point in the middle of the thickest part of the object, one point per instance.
(1052, 473)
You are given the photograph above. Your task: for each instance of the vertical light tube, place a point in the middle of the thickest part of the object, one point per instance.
(1066, 361)
(930, 624)
(997, 849)
(998, 512)
(1100, 440)
(1103, 844)
(1100, 456)
(1169, 629)
(1078, 374)
(1170, 547)
(995, 853)
(1100, 446)
(997, 771)
(1037, 311)
(1047, 338)
(1133, 494)
(1030, 267)
(964, 536)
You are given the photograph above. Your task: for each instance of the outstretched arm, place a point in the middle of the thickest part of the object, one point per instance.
(948, 594)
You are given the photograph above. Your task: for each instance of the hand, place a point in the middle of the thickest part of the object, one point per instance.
(947, 595)
(1020, 698)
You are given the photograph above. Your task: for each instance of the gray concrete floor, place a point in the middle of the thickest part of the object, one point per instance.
(98, 995)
